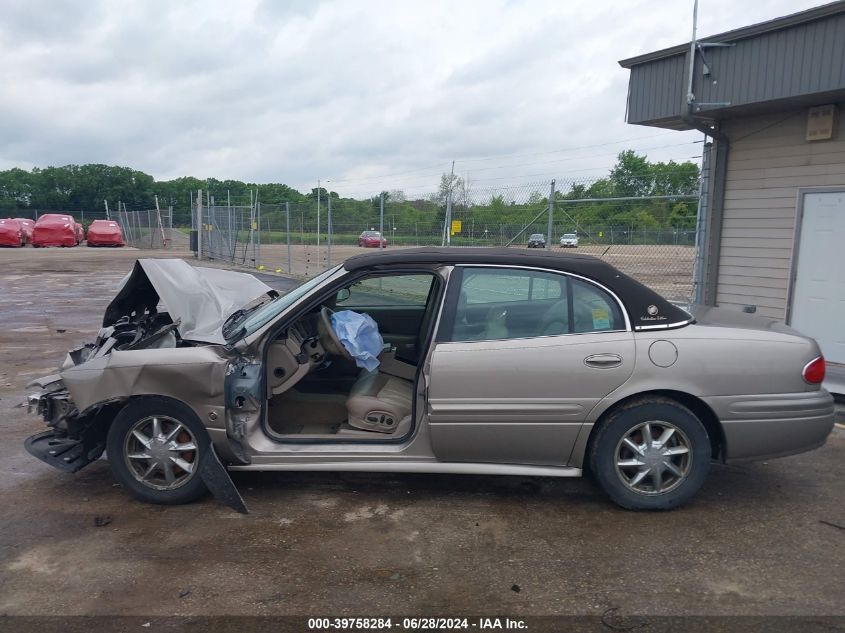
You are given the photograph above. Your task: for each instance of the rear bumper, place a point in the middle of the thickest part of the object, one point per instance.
(68, 241)
(103, 241)
(773, 425)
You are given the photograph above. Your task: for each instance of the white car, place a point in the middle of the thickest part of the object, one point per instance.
(569, 240)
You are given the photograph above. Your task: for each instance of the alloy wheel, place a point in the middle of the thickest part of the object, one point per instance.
(653, 457)
(161, 452)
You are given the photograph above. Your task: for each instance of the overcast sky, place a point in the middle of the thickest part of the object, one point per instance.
(368, 95)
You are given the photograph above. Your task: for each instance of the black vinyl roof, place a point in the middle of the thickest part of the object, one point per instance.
(646, 308)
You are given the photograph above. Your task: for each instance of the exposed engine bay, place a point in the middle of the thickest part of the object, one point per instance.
(162, 309)
(148, 331)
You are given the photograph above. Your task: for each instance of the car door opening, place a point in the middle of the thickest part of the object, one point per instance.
(316, 391)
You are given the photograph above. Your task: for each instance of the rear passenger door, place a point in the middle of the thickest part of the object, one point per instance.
(520, 359)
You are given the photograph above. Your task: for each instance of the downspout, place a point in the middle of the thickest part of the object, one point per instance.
(708, 272)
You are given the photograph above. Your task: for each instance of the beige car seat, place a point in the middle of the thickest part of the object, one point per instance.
(379, 402)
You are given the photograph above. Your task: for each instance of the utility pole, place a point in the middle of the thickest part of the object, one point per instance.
(551, 215)
(381, 221)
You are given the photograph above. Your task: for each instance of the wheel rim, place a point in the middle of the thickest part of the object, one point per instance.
(653, 458)
(161, 452)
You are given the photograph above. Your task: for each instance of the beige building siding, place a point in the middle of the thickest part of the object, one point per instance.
(769, 161)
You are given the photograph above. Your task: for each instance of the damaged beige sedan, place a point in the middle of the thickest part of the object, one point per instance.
(477, 361)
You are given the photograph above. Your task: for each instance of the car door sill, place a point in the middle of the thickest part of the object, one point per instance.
(422, 466)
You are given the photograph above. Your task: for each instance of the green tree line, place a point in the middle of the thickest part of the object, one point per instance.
(84, 188)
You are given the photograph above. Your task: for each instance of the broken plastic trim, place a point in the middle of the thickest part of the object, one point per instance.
(220, 484)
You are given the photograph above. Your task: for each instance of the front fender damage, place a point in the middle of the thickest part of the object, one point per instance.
(80, 402)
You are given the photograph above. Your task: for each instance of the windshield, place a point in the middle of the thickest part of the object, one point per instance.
(537, 236)
(569, 236)
(371, 233)
(270, 310)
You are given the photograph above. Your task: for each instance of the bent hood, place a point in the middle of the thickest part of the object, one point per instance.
(198, 299)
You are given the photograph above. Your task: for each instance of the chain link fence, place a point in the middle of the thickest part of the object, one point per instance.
(146, 228)
(651, 237)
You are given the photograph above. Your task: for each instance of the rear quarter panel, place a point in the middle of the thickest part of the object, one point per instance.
(718, 361)
(727, 368)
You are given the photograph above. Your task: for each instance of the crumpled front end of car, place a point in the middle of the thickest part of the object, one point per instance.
(73, 439)
(139, 351)
(77, 426)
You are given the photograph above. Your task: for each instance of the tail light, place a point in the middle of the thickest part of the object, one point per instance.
(814, 371)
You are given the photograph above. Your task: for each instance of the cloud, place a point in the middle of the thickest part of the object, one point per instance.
(376, 95)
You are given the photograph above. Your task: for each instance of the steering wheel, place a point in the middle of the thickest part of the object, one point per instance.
(327, 334)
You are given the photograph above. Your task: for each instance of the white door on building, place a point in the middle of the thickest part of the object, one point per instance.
(818, 298)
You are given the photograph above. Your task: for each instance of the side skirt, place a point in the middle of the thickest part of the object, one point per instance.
(451, 468)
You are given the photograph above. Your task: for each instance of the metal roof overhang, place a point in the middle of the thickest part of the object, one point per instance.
(730, 112)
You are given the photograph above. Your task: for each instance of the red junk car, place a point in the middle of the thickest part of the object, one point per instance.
(26, 226)
(105, 233)
(11, 233)
(55, 229)
(372, 239)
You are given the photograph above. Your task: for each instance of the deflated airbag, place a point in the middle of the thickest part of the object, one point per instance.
(360, 336)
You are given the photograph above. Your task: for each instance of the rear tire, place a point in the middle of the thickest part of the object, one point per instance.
(156, 447)
(652, 454)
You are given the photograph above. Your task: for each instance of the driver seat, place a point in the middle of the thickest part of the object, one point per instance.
(379, 402)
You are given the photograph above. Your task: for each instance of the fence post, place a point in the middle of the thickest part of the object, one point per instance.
(449, 218)
(258, 255)
(381, 221)
(229, 210)
(318, 219)
(287, 224)
(199, 224)
(329, 234)
(551, 214)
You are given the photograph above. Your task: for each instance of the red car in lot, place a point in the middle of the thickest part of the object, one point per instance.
(27, 226)
(55, 229)
(104, 233)
(11, 233)
(372, 239)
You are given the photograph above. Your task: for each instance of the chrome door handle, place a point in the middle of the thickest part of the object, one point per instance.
(603, 361)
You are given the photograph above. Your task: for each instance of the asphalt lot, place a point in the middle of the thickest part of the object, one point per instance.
(765, 538)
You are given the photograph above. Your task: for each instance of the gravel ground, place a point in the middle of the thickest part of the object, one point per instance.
(765, 538)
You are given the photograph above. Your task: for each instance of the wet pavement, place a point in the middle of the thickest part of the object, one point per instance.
(762, 538)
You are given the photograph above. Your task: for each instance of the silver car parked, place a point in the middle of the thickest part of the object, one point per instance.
(492, 362)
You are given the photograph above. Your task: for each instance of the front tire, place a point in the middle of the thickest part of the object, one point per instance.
(653, 454)
(155, 447)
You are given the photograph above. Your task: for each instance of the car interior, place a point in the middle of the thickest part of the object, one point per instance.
(315, 389)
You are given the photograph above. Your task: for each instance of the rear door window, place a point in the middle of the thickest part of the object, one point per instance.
(501, 303)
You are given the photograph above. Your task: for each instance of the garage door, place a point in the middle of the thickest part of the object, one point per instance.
(818, 298)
